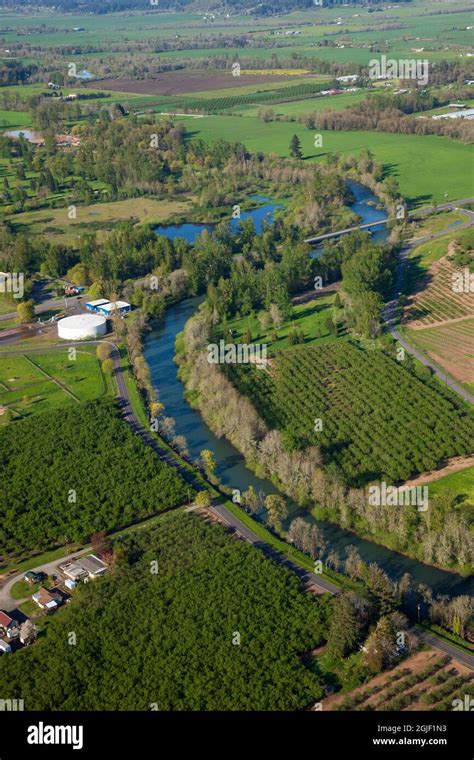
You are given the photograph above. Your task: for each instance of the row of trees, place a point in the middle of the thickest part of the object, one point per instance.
(311, 474)
(362, 117)
(100, 476)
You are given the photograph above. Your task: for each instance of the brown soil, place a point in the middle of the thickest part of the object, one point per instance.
(183, 82)
(417, 325)
(416, 663)
(454, 465)
(310, 295)
(462, 372)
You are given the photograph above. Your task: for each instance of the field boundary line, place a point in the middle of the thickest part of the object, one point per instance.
(53, 379)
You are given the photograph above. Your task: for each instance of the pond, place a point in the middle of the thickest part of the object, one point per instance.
(190, 231)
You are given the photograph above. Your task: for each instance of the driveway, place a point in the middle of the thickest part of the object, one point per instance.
(7, 603)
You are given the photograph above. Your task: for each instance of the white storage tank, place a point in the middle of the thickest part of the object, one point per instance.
(82, 326)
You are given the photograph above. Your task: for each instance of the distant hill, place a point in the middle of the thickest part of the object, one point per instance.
(269, 8)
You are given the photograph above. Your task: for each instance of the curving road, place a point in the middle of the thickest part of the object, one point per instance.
(389, 313)
(7, 602)
(220, 511)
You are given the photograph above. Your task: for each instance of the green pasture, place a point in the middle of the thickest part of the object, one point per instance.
(308, 105)
(460, 483)
(426, 166)
(56, 225)
(27, 383)
(310, 318)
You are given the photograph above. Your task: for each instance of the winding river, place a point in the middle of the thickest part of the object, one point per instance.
(231, 468)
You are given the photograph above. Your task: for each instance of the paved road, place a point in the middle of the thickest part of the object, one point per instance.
(456, 654)
(448, 206)
(390, 311)
(7, 603)
(328, 235)
(49, 305)
(219, 510)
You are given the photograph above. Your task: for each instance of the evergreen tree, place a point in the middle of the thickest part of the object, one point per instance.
(295, 147)
(345, 627)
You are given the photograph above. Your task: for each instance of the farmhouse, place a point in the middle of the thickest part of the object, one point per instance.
(47, 600)
(121, 306)
(8, 626)
(348, 78)
(31, 577)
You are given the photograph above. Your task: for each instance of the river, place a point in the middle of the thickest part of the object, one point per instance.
(231, 468)
(190, 231)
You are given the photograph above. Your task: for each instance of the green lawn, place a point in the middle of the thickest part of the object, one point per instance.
(55, 224)
(439, 222)
(460, 483)
(309, 317)
(14, 119)
(22, 589)
(25, 389)
(7, 304)
(30, 609)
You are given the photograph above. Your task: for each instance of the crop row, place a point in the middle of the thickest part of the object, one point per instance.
(283, 94)
(377, 418)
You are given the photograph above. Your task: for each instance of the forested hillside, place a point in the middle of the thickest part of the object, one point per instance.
(111, 6)
(219, 627)
(70, 473)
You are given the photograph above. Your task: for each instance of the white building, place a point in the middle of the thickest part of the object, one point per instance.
(82, 326)
(467, 114)
(349, 78)
(93, 566)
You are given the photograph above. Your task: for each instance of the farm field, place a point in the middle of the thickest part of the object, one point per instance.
(424, 681)
(410, 158)
(435, 299)
(24, 91)
(309, 105)
(436, 33)
(438, 318)
(55, 224)
(423, 256)
(202, 84)
(367, 429)
(450, 345)
(14, 119)
(208, 582)
(26, 390)
(88, 448)
(461, 483)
